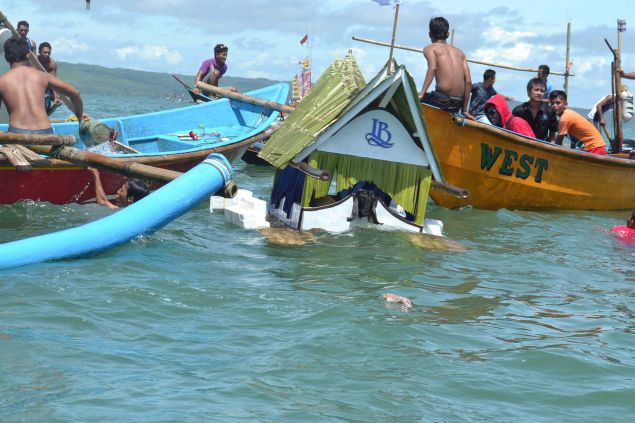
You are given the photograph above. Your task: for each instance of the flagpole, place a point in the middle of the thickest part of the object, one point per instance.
(392, 42)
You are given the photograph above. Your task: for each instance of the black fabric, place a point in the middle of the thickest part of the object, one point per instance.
(545, 123)
(443, 101)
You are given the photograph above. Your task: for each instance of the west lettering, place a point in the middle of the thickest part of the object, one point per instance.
(541, 164)
(525, 162)
(487, 157)
(510, 157)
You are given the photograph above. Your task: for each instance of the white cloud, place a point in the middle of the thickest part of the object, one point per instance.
(68, 46)
(516, 53)
(149, 52)
(501, 36)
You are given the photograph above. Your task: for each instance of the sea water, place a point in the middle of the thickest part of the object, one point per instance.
(203, 321)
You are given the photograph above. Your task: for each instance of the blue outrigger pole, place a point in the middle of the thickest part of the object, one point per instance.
(140, 218)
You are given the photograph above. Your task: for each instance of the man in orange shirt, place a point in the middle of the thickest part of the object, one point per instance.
(575, 125)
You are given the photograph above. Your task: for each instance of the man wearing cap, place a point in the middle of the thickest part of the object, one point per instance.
(214, 68)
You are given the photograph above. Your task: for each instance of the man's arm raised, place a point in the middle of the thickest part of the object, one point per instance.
(71, 92)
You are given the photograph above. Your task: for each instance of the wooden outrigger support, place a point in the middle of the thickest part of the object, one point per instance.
(616, 88)
(420, 50)
(567, 60)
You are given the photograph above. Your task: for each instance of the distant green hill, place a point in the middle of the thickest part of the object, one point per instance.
(92, 79)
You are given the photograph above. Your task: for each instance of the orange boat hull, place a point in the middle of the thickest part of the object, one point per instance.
(504, 170)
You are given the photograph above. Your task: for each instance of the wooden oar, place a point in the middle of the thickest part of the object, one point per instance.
(191, 91)
(124, 167)
(33, 58)
(222, 92)
(606, 131)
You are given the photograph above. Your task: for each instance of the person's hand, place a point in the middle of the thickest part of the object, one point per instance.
(620, 71)
(196, 90)
(510, 98)
(469, 116)
(602, 122)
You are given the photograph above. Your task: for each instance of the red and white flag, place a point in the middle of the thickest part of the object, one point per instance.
(304, 39)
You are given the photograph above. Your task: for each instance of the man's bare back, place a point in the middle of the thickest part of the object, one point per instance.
(22, 91)
(447, 66)
(447, 62)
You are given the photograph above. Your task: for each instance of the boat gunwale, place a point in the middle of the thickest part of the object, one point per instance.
(533, 143)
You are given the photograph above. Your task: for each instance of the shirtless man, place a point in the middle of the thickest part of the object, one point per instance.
(52, 99)
(22, 90)
(447, 65)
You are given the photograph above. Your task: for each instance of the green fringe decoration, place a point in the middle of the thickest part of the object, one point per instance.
(407, 184)
(335, 89)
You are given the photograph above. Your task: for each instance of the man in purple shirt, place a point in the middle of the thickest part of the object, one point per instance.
(213, 68)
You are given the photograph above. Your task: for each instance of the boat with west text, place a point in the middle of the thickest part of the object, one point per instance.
(502, 169)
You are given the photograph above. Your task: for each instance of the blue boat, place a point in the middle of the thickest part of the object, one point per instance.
(175, 139)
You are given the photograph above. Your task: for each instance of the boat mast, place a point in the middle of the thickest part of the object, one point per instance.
(392, 42)
(567, 60)
(617, 110)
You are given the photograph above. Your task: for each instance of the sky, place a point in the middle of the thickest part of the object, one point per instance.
(263, 36)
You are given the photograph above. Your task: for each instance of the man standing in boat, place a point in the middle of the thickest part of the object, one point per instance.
(212, 69)
(575, 125)
(543, 73)
(22, 89)
(23, 30)
(540, 116)
(52, 99)
(447, 66)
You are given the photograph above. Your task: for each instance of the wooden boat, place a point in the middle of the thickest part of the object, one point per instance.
(502, 169)
(354, 153)
(159, 139)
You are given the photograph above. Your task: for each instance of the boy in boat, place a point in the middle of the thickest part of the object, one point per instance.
(23, 30)
(22, 89)
(51, 99)
(131, 191)
(540, 116)
(447, 65)
(481, 92)
(498, 114)
(574, 124)
(543, 73)
(213, 69)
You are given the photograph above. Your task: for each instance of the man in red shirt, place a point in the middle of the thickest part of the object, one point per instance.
(575, 125)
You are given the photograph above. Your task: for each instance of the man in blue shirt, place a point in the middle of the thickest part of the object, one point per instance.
(481, 92)
(543, 73)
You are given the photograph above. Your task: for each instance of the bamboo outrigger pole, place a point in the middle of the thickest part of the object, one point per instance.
(392, 41)
(567, 61)
(420, 50)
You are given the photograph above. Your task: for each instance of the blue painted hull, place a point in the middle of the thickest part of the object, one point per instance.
(161, 139)
(222, 123)
(143, 217)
